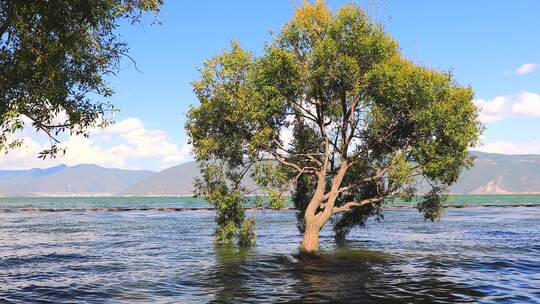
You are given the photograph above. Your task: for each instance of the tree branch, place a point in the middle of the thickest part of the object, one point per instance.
(308, 155)
(304, 112)
(347, 206)
(282, 160)
(132, 60)
(375, 177)
(290, 183)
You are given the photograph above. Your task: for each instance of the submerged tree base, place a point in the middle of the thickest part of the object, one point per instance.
(310, 244)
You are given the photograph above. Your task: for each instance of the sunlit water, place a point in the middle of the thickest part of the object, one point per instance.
(481, 255)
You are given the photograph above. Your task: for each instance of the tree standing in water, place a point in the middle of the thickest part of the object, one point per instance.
(334, 113)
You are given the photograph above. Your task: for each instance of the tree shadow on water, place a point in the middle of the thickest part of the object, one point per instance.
(343, 275)
(365, 276)
(338, 276)
(230, 276)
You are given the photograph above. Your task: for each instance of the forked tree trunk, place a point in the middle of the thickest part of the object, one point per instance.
(316, 220)
(310, 244)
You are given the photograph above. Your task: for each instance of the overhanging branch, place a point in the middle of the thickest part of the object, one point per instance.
(375, 177)
(347, 206)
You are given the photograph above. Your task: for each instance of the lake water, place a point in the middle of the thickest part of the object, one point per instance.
(91, 253)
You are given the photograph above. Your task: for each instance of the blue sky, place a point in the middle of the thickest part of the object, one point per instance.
(493, 46)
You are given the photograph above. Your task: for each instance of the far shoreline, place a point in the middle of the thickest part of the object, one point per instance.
(184, 209)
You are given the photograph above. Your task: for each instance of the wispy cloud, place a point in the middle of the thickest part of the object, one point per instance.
(526, 68)
(126, 144)
(524, 104)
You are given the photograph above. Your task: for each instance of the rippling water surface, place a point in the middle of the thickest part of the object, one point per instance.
(481, 255)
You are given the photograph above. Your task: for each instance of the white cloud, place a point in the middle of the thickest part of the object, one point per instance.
(528, 147)
(527, 68)
(525, 104)
(126, 144)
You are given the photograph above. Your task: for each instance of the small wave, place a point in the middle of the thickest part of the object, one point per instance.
(47, 258)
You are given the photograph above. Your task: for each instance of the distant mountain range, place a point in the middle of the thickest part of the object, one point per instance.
(492, 174)
(500, 174)
(177, 180)
(66, 181)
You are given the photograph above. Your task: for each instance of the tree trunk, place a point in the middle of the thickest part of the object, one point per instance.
(310, 244)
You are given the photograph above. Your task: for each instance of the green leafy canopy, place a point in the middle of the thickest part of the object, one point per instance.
(333, 114)
(54, 59)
